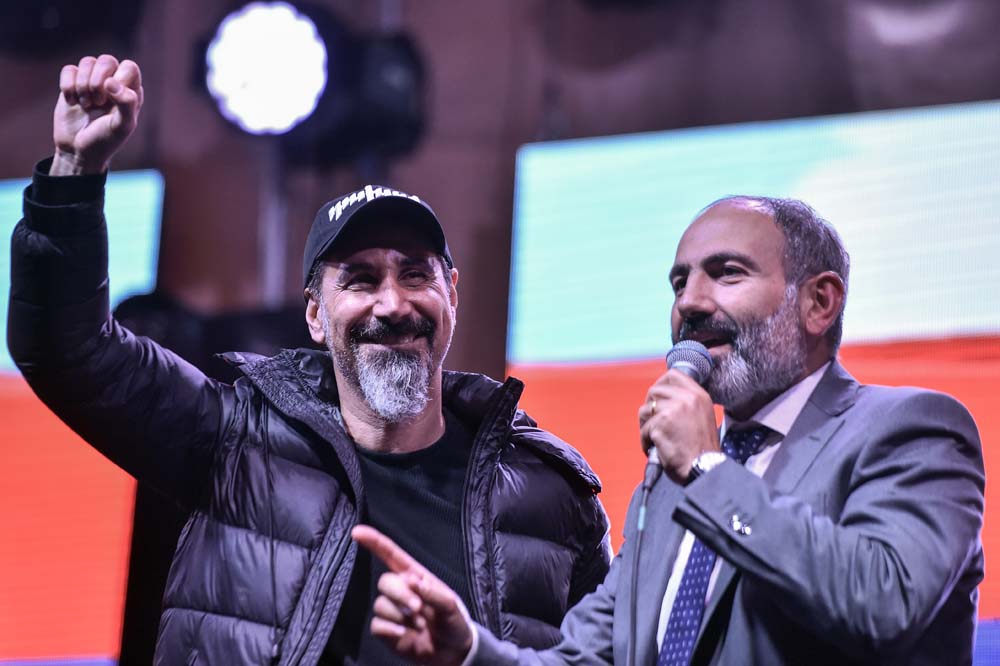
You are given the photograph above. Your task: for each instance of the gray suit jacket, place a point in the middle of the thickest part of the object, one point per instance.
(864, 545)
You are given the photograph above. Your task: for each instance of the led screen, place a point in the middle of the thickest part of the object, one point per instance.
(66, 511)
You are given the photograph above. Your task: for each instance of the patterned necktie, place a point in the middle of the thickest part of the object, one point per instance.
(689, 604)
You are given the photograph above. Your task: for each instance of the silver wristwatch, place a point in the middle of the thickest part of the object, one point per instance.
(705, 462)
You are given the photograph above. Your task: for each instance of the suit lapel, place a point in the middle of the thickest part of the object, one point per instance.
(816, 424)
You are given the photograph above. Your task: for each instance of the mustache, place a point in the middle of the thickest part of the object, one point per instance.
(722, 326)
(379, 330)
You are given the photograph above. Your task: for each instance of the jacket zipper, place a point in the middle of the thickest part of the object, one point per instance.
(492, 619)
(295, 654)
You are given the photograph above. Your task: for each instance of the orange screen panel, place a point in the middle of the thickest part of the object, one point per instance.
(67, 517)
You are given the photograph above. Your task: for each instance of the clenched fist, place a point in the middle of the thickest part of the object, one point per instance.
(97, 111)
(678, 419)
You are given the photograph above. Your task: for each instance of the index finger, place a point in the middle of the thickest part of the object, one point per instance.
(677, 377)
(384, 548)
(67, 83)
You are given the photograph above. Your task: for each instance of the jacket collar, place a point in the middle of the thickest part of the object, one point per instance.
(301, 381)
(311, 371)
(819, 420)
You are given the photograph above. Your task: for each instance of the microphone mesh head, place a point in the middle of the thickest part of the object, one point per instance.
(691, 358)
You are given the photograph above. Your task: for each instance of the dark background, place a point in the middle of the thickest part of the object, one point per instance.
(498, 74)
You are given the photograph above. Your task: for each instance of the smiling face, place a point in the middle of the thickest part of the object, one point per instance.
(730, 294)
(386, 312)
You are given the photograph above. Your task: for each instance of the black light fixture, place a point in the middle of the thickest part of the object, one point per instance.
(377, 113)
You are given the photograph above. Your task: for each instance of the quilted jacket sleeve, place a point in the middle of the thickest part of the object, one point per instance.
(591, 569)
(142, 406)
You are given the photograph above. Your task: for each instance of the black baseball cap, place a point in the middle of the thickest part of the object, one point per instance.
(379, 203)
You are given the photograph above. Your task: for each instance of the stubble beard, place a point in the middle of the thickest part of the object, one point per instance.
(395, 384)
(768, 355)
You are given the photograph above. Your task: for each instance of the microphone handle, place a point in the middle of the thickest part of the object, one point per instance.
(653, 472)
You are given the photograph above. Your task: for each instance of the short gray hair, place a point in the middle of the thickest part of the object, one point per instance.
(812, 246)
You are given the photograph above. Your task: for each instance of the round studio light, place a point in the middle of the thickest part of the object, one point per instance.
(266, 67)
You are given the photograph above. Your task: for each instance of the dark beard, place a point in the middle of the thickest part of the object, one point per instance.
(379, 331)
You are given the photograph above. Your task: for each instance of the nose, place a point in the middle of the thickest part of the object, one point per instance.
(696, 297)
(392, 301)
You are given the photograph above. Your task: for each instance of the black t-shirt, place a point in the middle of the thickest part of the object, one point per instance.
(415, 499)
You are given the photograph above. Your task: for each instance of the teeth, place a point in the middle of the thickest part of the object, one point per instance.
(401, 340)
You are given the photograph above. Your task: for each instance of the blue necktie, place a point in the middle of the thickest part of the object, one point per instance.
(689, 604)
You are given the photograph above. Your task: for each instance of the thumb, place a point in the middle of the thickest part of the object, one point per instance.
(439, 596)
(113, 87)
(126, 101)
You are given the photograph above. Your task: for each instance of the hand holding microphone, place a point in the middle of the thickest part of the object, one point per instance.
(677, 421)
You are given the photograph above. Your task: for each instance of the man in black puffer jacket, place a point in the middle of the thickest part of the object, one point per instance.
(277, 468)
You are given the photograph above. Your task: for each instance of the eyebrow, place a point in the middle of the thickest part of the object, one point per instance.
(717, 258)
(365, 266)
(354, 267)
(678, 270)
(723, 257)
(426, 260)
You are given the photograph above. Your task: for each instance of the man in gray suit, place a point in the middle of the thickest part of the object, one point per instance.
(840, 526)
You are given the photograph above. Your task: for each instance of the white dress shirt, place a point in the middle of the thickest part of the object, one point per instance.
(778, 415)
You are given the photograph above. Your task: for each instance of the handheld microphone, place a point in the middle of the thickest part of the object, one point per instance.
(691, 358)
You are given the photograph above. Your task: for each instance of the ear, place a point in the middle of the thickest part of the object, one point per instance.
(313, 319)
(821, 298)
(454, 288)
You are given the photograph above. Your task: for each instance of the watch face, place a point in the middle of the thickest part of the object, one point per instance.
(716, 458)
(708, 460)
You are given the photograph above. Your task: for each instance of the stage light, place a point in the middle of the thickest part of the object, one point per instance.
(334, 96)
(266, 67)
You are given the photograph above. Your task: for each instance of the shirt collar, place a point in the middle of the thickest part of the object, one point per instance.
(781, 412)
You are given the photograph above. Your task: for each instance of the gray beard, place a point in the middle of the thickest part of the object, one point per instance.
(768, 355)
(395, 385)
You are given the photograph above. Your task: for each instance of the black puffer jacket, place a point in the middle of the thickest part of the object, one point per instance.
(270, 476)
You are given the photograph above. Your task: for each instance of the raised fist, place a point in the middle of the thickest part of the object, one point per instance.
(97, 111)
